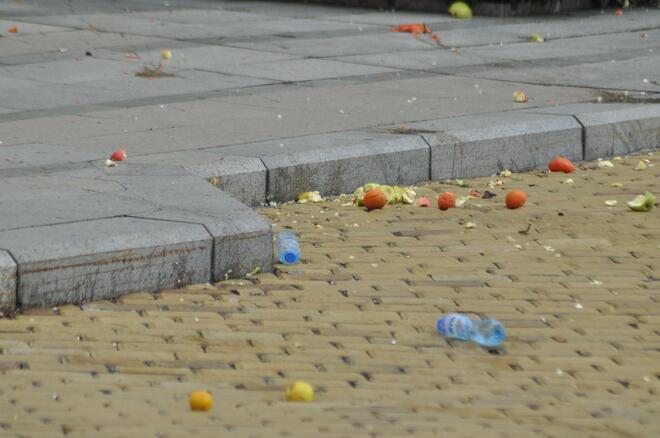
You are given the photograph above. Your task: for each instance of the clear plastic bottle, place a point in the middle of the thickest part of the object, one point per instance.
(288, 249)
(485, 332)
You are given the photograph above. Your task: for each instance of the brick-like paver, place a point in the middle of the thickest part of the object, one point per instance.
(575, 282)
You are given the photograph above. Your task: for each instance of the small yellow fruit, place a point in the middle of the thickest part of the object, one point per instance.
(300, 391)
(520, 97)
(200, 401)
(460, 10)
(166, 54)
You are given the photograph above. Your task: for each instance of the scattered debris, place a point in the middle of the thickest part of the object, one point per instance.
(13, 29)
(166, 54)
(118, 155)
(488, 195)
(460, 10)
(537, 38)
(132, 56)
(470, 225)
(616, 185)
(520, 97)
(643, 202)
(110, 163)
(423, 202)
(394, 194)
(474, 193)
(568, 181)
(526, 230)
(611, 202)
(253, 272)
(515, 199)
(153, 72)
(374, 199)
(605, 164)
(300, 392)
(618, 12)
(459, 183)
(415, 29)
(561, 164)
(200, 401)
(288, 248)
(446, 200)
(641, 165)
(485, 332)
(309, 197)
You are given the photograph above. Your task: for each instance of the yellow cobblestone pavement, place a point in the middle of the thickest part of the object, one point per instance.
(575, 282)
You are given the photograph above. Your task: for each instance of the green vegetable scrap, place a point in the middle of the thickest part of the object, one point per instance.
(643, 202)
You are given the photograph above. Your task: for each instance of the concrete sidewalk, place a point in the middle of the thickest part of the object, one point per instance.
(267, 100)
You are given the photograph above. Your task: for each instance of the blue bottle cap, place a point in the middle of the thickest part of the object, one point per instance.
(290, 257)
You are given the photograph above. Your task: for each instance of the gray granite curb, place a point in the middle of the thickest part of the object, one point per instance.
(459, 147)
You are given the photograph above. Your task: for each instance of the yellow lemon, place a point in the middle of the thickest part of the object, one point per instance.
(166, 54)
(460, 10)
(200, 401)
(300, 391)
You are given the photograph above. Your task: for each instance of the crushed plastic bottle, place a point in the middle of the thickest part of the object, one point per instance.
(288, 248)
(485, 332)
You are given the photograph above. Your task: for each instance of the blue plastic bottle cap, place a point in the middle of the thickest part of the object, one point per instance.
(290, 257)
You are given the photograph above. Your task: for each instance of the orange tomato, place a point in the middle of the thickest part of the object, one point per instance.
(374, 199)
(515, 199)
(561, 164)
(446, 200)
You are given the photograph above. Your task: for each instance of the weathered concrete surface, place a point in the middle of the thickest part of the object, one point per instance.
(262, 101)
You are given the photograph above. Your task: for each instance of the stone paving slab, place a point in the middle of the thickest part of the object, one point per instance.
(625, 75)
(208, 58)
(244, 178)
(578, 47)
(427, 59)
(321, 47)
(67, 72)
(74, 40)
(299, 70)
(26, 29)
